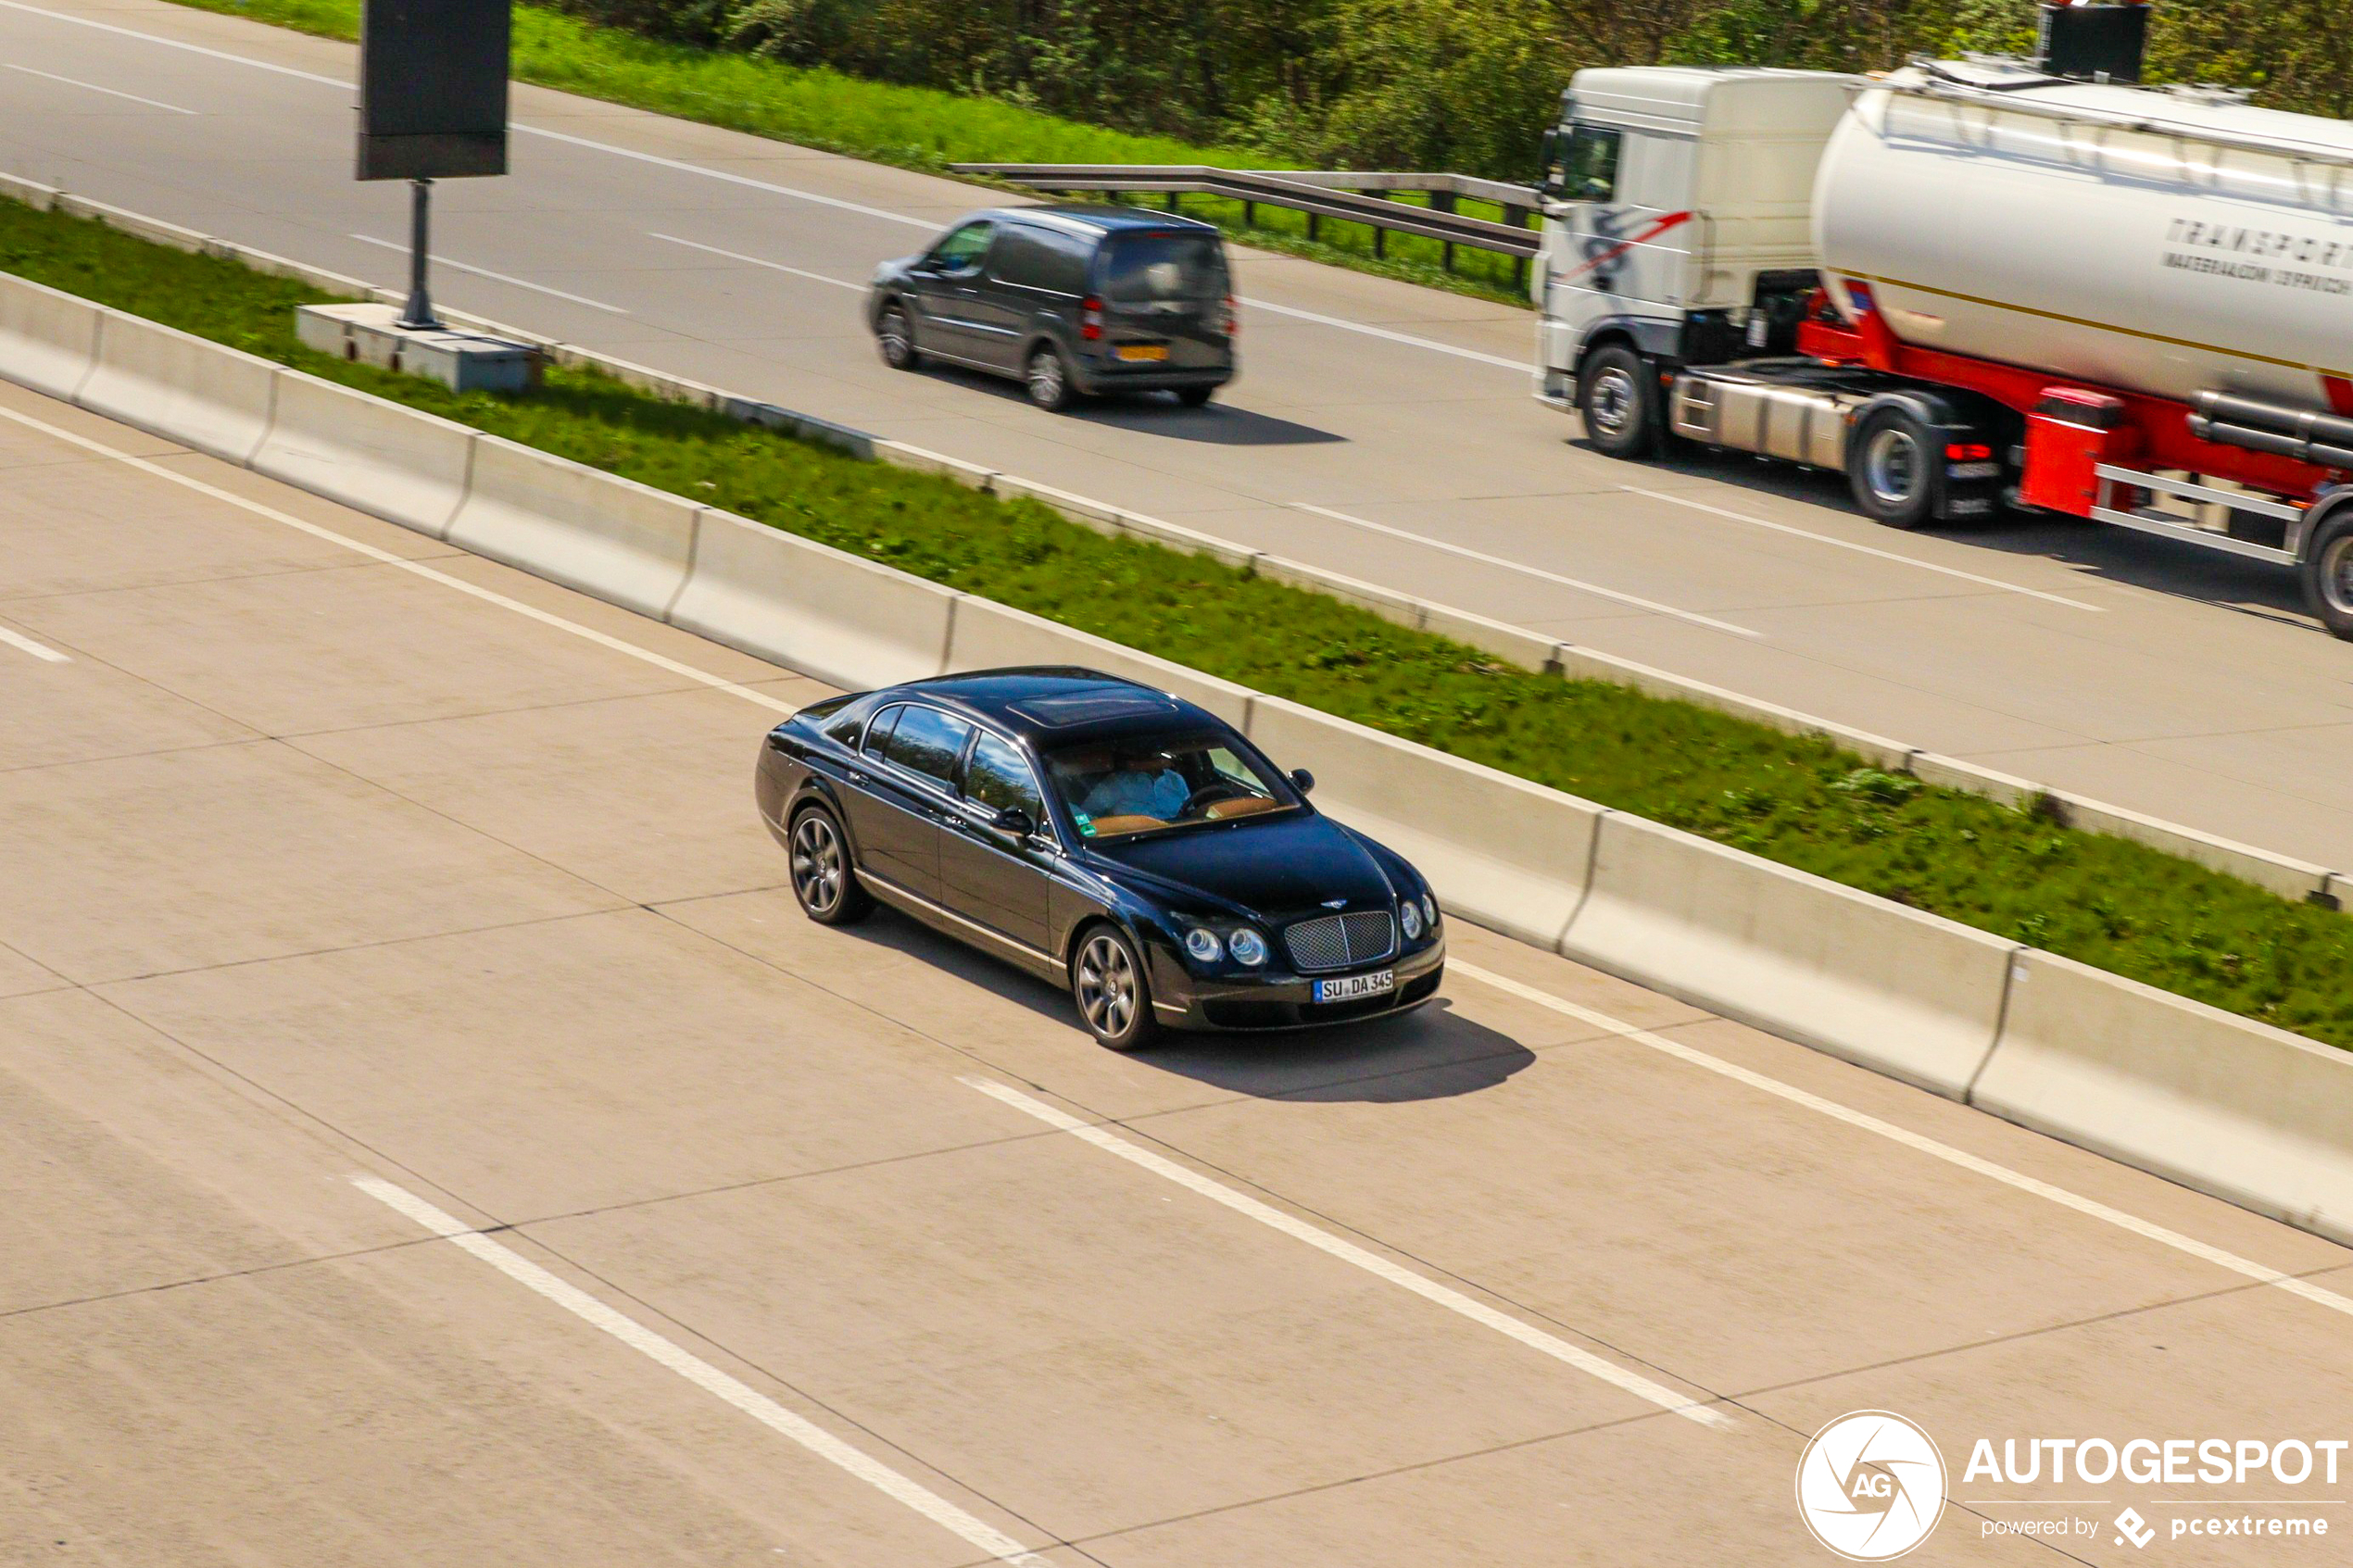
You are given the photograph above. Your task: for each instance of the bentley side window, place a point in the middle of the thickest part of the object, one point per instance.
(998, 778)
(928, 742)
(879, 733)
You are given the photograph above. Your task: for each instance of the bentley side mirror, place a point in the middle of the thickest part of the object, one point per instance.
(1016, 821)
(1302, 781)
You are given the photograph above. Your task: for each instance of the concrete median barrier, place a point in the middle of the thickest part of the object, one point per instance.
(48, 340)
(1905, 993)
(1501, 852)
(899, 455)
(626, 543)
(2249, 1113)
(373, 457)
(810, 608)
(990, 636)
(181, 387)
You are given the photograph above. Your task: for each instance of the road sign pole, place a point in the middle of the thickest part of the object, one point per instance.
(418, 316)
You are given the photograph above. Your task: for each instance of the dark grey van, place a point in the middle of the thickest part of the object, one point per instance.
(1071, 301)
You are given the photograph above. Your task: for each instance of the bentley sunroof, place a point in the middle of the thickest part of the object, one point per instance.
(1092, 707)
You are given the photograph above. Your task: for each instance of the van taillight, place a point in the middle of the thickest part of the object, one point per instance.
(1232, 323)
(1090, 318)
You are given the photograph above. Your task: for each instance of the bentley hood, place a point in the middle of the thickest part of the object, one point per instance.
(1267, 867)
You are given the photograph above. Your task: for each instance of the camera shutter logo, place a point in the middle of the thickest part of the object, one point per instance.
(1870, 1485)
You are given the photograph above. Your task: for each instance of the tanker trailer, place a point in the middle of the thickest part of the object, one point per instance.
(2014, 289)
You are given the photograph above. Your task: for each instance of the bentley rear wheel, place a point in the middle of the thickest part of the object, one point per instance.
(823, 879)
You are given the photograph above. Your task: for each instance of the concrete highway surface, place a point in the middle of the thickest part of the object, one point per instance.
(1379, 429)
(429, 1133)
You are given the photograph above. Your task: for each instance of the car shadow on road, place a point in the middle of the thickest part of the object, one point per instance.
(2099, 550)
(1159, 413)
(1432, 1053)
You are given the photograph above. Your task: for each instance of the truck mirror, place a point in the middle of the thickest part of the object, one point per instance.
(1549, 182)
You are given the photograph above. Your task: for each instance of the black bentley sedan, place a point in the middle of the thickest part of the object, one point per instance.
(1105, 836)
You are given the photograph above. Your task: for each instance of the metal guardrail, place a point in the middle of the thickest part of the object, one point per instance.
(1342, 195)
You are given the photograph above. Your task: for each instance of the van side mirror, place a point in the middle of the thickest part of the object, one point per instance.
(1302, 781)
(1549, 182)
(1016, 821)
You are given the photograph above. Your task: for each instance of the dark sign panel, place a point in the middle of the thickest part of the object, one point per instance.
(2094, 43)
(433, 88)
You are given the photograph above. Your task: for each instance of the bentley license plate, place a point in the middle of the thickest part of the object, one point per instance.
(1356, 985)
(1143, 351)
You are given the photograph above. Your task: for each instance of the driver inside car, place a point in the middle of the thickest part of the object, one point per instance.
(1139, 787)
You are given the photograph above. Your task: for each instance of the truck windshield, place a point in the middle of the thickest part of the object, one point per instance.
(1141, 268)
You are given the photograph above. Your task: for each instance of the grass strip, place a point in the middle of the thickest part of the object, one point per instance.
(919, 128)
(2118, 905)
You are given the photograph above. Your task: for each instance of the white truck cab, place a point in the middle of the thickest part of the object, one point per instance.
(1677, 218)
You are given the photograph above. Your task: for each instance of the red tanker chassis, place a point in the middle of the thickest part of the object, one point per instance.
(2104, 453)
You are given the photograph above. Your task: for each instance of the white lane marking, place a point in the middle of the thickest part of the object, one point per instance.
(417, 568)
(976, 1534)
(757, 261)
(93, 87)
(38, 650)
(685, 168)
(1864, 549)
(1911, 1140)
(1524, 569)
(929, 225)
(1349, 1252)
(495, 277)
(1522, 366)
(174, 43)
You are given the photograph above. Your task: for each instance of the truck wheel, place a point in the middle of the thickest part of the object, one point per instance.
(2328, 573)
(1618, 395)
(1895, 467)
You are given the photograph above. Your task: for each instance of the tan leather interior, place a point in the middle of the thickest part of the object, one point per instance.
(1126, 824)
(1240, 806)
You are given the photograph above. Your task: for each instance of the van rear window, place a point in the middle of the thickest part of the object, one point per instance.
(1144, 267)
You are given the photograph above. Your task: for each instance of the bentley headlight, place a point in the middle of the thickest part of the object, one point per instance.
(1410, 913)
(1204, 945)
(1430, 911)
(1248, 947)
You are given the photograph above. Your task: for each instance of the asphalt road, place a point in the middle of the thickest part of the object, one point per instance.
(2175, 682)
(429, 1133)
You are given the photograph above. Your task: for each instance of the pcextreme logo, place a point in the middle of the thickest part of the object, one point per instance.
(1870, 1485)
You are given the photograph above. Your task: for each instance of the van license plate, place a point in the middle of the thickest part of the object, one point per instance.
(1355, 987)
(1143, 351)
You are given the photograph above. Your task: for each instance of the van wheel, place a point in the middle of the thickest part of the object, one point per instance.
(1618, 395)
(1048, 380)
(1894, 467)
(1195, 396)
(2328, 573)
(897, 339)
(1107, 982)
